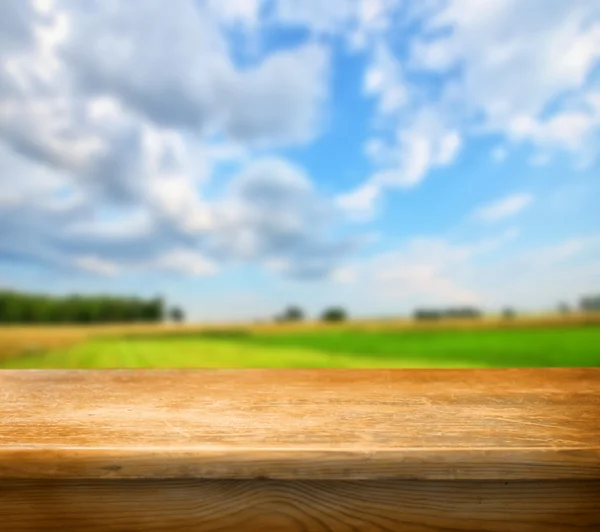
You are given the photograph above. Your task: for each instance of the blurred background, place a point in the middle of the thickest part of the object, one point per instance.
(281, 183)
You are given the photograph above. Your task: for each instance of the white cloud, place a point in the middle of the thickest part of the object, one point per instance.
(384, 79)
(506, 70)
(129, 124)
(450, 144)
(273, 214)
(359, 23)
(425, 271)
(423, 144)
(344, 275)
(270, 212)
(436, 55)
(96, 265)
(563, 250)
(320, 17)
(43, 6)
(487, 273)
(361, 203)
(246, 12)
(539, 277)
(573, 131)
(371, 11)
(503, 208)
(277, 265)
(510, 77)
(524, 72)
(280, 100)
(192, 81)
(424, 286)
(186, 261)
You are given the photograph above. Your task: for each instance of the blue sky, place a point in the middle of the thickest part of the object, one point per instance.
(235, 156)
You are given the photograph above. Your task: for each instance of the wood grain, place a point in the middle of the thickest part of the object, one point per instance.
(301, 424)
(297, 506)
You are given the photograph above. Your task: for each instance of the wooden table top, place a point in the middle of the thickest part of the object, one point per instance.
(301, 424)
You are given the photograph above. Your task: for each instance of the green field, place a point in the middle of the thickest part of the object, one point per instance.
(341, 348)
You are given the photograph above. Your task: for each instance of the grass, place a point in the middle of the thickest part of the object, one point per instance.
(536, 347)
(344, 347)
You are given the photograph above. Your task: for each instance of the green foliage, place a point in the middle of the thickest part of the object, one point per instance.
(291, 314)
(334, 314)
(16, 307)
(451, 313)
(176, 314)
(590, 303)
(427, 314)
(463, 313)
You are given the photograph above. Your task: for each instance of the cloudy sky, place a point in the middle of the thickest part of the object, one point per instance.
(239, 155)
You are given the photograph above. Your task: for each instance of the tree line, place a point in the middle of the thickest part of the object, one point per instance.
(18, 307)
(590, 303)
(294, 313)
(430, 314)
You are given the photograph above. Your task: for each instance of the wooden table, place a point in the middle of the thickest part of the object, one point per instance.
(509, 450)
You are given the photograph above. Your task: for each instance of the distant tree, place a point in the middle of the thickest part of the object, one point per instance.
(11, 307)
(563, 308)
(334, 314)
(590, 303)
(292, 313)
(509, 313)
(18, 307)
(462, 313)
(176, 314)
(423, 314)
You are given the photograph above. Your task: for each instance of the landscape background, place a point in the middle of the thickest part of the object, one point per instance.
(156, 337)
(326, 183)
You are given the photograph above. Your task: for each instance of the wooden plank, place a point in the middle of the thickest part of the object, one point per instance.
(301, 424)
(297, 506)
